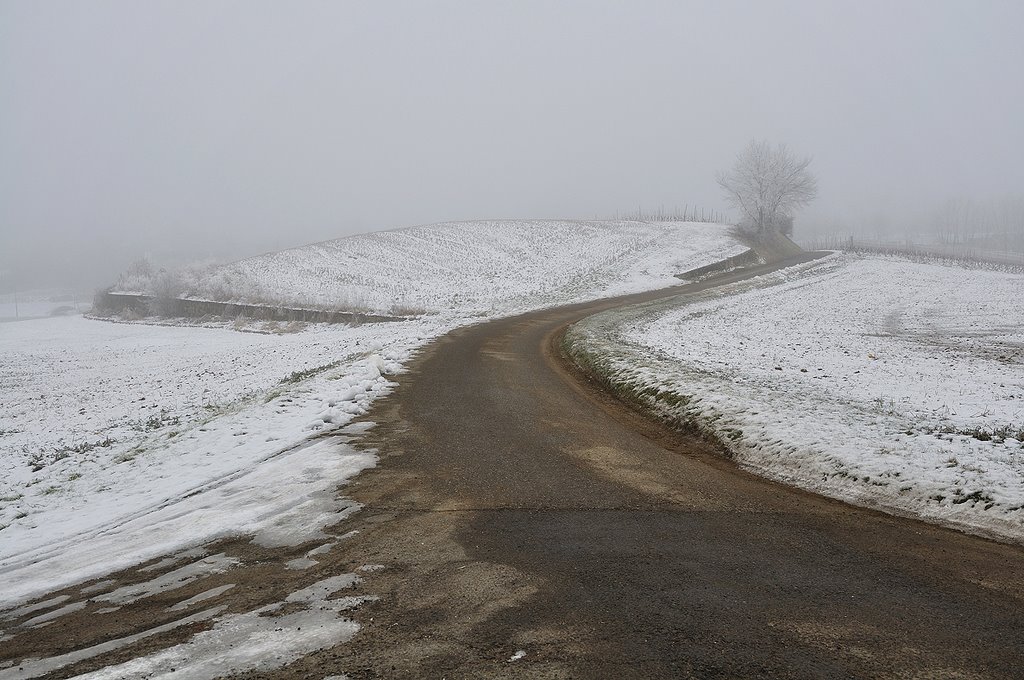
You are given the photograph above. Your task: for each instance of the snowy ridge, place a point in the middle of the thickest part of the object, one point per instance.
(876, 380)
(477, 268)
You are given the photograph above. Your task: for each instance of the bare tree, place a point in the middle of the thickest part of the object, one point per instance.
(768, 184)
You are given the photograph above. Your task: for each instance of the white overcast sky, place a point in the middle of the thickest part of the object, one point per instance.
(194, 128)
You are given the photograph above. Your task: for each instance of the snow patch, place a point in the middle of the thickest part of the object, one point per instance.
(172, 580)
(201, 597)
(34, 668)
(49, 617)
(300, 563)
(257, 640)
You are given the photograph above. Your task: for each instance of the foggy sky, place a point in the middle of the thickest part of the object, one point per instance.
(195, 129)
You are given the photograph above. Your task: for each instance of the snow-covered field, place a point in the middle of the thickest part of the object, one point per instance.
(107, 431)
(124, 442)
(885, 382)
(481, 268)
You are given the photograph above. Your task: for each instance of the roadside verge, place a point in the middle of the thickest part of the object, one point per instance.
(841, 378)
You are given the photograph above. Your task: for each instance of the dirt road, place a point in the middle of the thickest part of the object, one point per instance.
(529, 526)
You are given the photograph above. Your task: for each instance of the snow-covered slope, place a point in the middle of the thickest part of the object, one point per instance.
(481, 268)
(123, 442)
(885, 382)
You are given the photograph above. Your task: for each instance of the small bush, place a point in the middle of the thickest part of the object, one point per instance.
(407, 309)
(158, 420)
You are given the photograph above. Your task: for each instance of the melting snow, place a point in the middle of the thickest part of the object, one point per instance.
(254, 641)
(34, 668)
(201, 597)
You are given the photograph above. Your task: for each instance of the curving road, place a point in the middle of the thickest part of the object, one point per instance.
(527, 525)
(520, 510)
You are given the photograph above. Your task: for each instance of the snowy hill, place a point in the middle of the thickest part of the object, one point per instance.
(474, 268)
(123, 442)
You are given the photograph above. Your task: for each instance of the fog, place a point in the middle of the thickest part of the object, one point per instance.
(188, 130)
